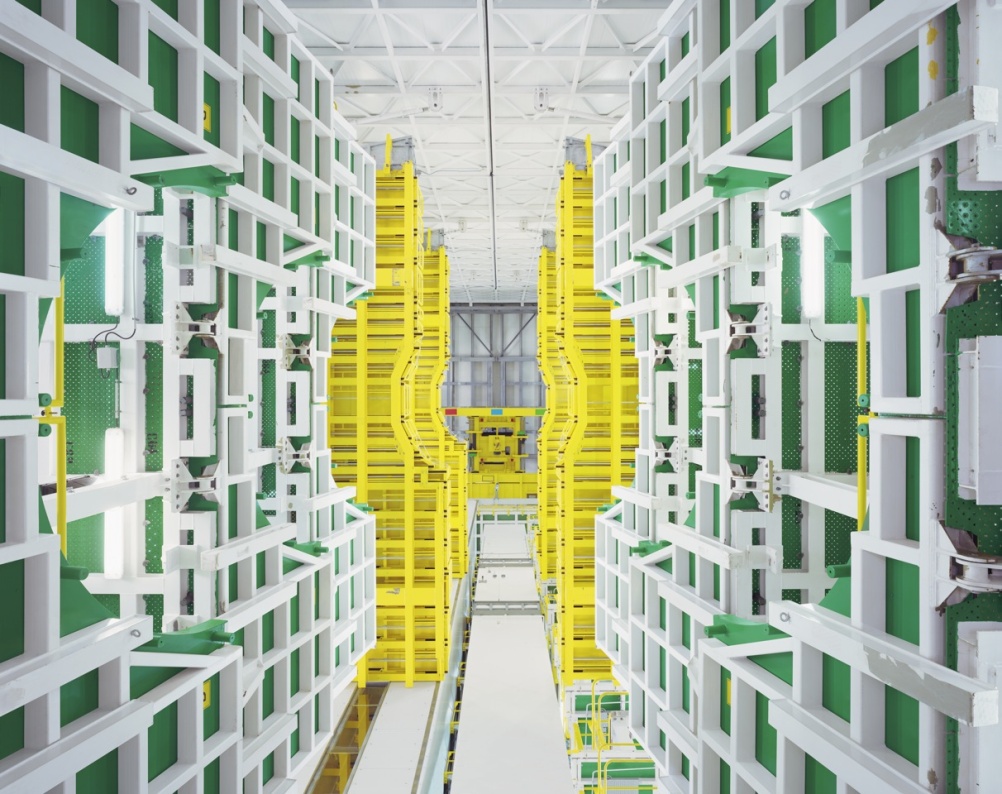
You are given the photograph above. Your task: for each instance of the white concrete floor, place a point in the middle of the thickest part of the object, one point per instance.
(510, 733)
(395, 746)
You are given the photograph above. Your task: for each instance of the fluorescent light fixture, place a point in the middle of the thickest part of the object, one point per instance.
(114, 453)
(114, 543)
(114, 263)
(812, 266)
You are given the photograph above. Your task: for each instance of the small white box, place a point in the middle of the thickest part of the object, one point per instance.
(107, 357)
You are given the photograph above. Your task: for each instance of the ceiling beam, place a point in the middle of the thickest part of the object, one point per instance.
(510, 6)
(402, 119)
(386, 89)
(474, 54)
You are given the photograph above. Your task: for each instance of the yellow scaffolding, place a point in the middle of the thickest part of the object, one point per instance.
(556, 378)
(497, 455)
(598, 442)
(379, 444)
(434, 436)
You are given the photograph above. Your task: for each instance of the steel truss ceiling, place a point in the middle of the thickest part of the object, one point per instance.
(558, 69)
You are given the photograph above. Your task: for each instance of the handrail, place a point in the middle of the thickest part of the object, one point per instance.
(52, 419)
(603, 774)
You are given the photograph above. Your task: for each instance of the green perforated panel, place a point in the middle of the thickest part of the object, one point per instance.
(85, 286)
(90, 409)
(840, 305)
(793, 519)
(153, 362)
(85, 543)
(838, 532)
(840, 407)
(792, 405)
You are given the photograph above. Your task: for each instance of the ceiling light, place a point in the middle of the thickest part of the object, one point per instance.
(812, 266)
(114, 263)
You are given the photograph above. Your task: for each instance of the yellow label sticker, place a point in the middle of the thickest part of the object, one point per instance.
(728, 691)
(728, 121)
(933, 70)
(206, 695)
(207, 117)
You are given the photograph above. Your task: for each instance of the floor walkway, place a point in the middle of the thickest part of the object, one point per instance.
(510, 734)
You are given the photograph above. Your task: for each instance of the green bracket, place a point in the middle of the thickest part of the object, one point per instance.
(733, 630)
(314, 548)
(647, 260)
(839, 571)
(646, 547)
(836, 217)
(208, 180)
(316, 259)
(731, 182)
(74, 572)
(203, 638)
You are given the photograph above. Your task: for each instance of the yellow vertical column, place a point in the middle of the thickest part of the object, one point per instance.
(553, 368)
(377, 445)
(602, 431)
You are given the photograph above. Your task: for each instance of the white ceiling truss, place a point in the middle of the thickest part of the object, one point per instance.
(489, 150)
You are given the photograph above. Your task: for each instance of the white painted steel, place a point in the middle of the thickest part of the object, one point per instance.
(308, 507)
(681, 249)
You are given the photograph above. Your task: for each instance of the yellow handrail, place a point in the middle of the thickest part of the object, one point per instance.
(49, 417)
(603, 774)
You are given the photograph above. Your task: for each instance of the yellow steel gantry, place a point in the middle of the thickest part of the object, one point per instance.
(497, 445)
(497, 455)
(598, 444)
(556, 378)
(376, 444)
(433, 435)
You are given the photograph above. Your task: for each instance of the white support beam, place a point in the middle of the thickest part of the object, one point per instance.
(964, 113)
(890, 661)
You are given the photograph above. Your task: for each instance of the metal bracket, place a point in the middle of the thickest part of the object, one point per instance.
(435, 98)
(678, 457)
(666, 353)
(541, 99)
(292, 351)
(969, 268)
(183, 485)
(662, 454)
(762, 485)
(186, 329)
(970, 265)
(289, 456)
(963, 570)
(758, 330)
